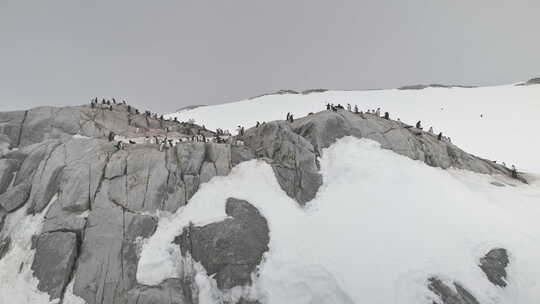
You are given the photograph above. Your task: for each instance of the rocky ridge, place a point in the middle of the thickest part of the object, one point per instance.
(99, 199)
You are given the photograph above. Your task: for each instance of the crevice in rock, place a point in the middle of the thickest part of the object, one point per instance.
(148, 175)
(21, 128)
(101, 179)
(48, 158)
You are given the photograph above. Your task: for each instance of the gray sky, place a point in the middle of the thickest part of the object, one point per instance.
(163, 55)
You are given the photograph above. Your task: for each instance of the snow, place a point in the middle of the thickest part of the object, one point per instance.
(70, 298)
(377, 229)
(506, 132)
(79, 136)
(17, 283)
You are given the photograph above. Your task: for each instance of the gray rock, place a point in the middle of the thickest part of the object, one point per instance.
(449, 296)
(230, 249)
(58, 219)
(531, 81)
(47, 176)
(8, 167)
(3, 214)
(493, 264)
(293, 158)
(109, 254)
(208, 170)
(190, 157)
(498, 184)
(34, 155)
(54, 260)
(15, 197)
(306, 92)
(4, 246)
(10, 125)
(220, 156)
(324, 128)
(170, 291)
(240, 154)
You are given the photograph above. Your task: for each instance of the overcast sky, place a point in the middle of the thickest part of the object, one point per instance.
(163, 55)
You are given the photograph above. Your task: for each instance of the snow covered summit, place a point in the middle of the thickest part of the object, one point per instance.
(498, 123)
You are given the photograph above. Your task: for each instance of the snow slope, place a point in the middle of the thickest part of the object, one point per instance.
(508, 130)
(377, 229)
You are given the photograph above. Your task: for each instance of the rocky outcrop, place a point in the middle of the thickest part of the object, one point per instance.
(230, 249)
(54, 261)
(4, 246)
(324, 128)
(293, 158)
(531, 81)
(8, 167)
(493, 264)
(309, 91)
(23, 128)
(447, 295)
(280, 92)
(99, 202)
(433, 85)
(171, 291)
(15, 197)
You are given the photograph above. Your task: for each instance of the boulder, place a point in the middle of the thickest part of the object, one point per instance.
(8, 167)
(3, 214)
(447, 295)
(109, 255)
(230, 249)
(324, 128)
(493, 264)
(293, 158)
(10, 125)
(15, 197)
(240, 154)
(47, 176)
(54, 260)
(170, 291)
(4, 246)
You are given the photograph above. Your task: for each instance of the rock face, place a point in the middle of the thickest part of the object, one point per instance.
(531, 81)
(98, 202)
(448, 296)
(54, 260)
(433, 85)
(15, 197)
(230, 249)
(168, 292)
(8, 167)
(4, 246)
(293, 158)
(324, 128)
(493, 264)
